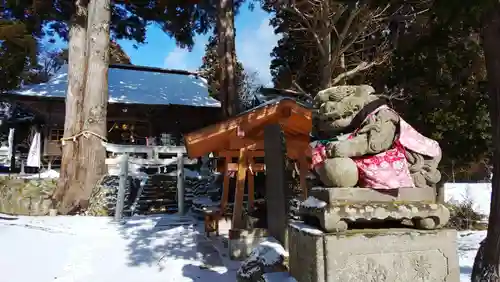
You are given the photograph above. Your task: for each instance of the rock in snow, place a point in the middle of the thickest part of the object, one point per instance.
(268, 257)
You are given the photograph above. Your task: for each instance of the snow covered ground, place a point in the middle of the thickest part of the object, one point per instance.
(46, 174)
(152, 248)
(161, 248)
(77, 249)
(468, 241)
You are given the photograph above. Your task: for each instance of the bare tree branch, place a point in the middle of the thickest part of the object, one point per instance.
(397, 94)
(360, 67)
(294, 10)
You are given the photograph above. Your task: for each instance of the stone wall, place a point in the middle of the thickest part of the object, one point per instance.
(20, 196)
(26, 196)
(104, 197)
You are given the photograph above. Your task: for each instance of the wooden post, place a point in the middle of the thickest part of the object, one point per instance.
(225, 186)
(22, 168)
(180, 183)
(240, 191)
(120, 201)
(303, 171)
(276, 184)
(251, 186)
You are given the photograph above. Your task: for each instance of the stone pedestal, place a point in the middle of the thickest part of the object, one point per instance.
(335, 208)
(382, 255)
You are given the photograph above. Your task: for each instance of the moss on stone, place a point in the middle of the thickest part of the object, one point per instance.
(26, 196)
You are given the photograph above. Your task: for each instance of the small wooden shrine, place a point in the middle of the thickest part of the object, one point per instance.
(242, 137)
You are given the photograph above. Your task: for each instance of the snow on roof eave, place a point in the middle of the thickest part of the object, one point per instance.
(130, 86)
(113, 101)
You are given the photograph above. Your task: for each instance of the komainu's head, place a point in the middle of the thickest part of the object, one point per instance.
(336, 107)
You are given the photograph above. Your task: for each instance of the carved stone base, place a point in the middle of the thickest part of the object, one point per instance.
(389, 255)
(335, 208)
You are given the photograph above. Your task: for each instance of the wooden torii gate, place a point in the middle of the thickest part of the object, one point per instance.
(242, 136)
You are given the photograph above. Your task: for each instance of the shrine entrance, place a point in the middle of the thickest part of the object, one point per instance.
(128, 132)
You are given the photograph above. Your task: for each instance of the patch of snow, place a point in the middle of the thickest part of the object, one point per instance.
(312, 202)
(307, 228)
(188, 173)
(48, 174)
(205, 201)
(80, 248)
(268, 251)
(135, 87)
(468, 244)
(278, 277)
(478, 193)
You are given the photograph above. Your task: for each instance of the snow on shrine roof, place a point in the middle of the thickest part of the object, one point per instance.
(130, 85)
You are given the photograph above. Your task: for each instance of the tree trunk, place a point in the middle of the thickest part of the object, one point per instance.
(221, 47)
(69, 186)
(486, 264)
(92, 153)
(328, 48)
(326, 62)
(227, 57)
(234, 101)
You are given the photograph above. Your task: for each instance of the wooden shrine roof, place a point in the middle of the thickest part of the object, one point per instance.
(246, 129)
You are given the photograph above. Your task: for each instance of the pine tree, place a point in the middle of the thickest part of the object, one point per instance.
(245, 82)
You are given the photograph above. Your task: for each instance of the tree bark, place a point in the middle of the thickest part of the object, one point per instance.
(92, 153)
(328, 48)
(68, 185)
(227, 57)
(486, 263)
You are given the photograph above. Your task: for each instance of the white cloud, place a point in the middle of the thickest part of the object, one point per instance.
(177, 59)
(254, 43)
(254, 47)
(184, 59)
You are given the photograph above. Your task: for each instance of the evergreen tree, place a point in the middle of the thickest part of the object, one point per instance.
(437, 78)
(245, 81)
(18, 52)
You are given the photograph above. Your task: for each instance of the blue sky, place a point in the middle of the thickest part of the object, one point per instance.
(255, 40)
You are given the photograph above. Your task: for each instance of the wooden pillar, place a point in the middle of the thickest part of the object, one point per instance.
(251, 185)
(303, 171)
(240, 191)
(276, 183)
(225, 186)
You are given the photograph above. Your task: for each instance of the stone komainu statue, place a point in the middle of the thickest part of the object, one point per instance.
(360, 141)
